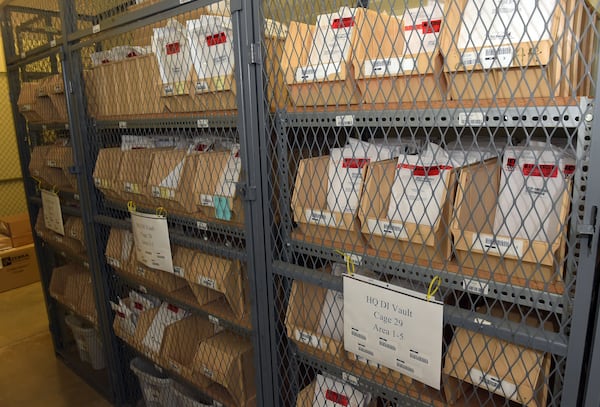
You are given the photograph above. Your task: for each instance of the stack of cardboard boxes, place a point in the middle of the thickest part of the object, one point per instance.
(18, 265)
(461, 50)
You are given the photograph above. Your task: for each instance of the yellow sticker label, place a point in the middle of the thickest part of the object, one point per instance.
(220, 83)
(179, 88)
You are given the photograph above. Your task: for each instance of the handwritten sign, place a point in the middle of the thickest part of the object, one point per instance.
(151, 237)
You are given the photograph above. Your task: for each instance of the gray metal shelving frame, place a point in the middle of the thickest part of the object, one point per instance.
(253, 243)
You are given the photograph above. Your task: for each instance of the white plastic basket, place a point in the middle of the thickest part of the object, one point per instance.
(185, 397)
(88, 341)
(156, 385)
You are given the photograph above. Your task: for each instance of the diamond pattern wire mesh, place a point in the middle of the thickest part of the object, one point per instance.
(425, 139)
(163, 137)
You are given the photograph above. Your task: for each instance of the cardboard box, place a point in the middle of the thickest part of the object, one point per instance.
(74, 231)
(314, 76)
(218, 275)
(49, 176)
(303, 320)
(185, 265)
(133, 176)
(181, 342)
(397, 59)
(65, 284)
(119, 250)
(125, 89)
(165, 176)
(485, 57)
(151, 328)
(106, 172)
(479, 248)
(18, 267)
(211, 45)
(412, 241)
(17, 228)
(316, 223)
(512, 371)
(59, 160)
(228, 360)
(34, 108)
(56, 93)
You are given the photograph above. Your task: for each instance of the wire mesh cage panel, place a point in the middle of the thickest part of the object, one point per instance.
(431, 161)
(31, 25)
(164, 158)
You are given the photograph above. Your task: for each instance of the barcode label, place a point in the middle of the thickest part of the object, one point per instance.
(306, 338)
(122, 125)
(208, 282)
(207, 200)
(113, 262)
(178, 271)
(344, 120)
(201, 86)
(202, 225)
(156, 192)
(319, 217)
(53, 43)
(471, 119)
(469, 59)
(387, 229)
(76, 197)
(501, 246)
(501, 57)
(207, 372)
(492, 383)
(475, 287)
(95, 28)
(354, 259)
(203, 123)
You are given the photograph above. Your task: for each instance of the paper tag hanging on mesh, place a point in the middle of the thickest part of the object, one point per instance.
(151, 237)
(53, 218)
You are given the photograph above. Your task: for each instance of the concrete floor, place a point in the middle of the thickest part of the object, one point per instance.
(30, 374)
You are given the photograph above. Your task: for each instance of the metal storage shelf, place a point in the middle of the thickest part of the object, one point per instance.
(214, 312)
(66, 209)
(201, 120)
(182, 240)
(541, 299)
(373, 386)
(563, 113)
(530, 337)
(76, 312)
(205, 228)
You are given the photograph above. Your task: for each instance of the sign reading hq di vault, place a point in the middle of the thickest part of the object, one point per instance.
(395, 327)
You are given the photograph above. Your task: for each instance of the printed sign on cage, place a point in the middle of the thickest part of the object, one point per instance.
(398, 328)
(151, 237)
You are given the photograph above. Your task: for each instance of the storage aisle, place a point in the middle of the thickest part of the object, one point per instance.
(30, 375)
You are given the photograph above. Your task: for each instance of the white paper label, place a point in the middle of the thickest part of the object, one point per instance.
(207, 200)
(475, 287)
(52, 212)
(213, 320)
(95, 28)
(492, 383)
(318, 217)
(481, 321)
(151, 237)
(344, 120)
(179, 271)
(202, 225)
(500, 57)
(314, 73)
(53, 43)
(469, 59)
(499, 245)
(201, 87)
(387, 229)
(471, 119)
(384, 323)
(347, 377)
(207, 282)
(202, 123)
(122, 125)
(306, 338)
(388, 66)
